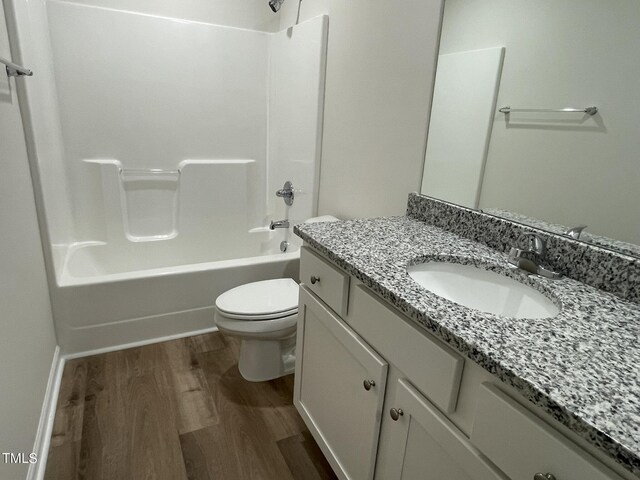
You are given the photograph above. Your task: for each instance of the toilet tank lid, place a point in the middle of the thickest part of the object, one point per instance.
(322, 218)
(260, 298)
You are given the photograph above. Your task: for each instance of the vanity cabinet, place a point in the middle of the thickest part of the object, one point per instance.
(386, 400)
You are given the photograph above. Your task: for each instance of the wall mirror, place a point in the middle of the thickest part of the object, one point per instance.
(499, 139)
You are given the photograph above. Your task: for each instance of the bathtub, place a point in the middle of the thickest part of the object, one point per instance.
(112, 296)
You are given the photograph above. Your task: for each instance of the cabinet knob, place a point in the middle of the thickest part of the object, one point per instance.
(544, 476)
(368, 384)
(314, 279)
(396, 413)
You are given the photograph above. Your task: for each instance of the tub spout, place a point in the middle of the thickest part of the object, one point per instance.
(279, 224)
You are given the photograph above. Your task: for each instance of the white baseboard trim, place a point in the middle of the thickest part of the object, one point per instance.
(140, 343)
(47, 416)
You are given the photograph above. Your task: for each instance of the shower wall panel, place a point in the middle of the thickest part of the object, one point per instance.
(296, 99)
(151, 92)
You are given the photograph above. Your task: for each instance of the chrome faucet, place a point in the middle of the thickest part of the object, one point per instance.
(531, 258)
(574, 232)
(279, 224)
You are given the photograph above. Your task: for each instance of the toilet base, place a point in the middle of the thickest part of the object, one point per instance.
(262, 360)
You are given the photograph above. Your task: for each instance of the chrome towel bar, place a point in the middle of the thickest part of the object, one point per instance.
(14, 70)
(588, 110)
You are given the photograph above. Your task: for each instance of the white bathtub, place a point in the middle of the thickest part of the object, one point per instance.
(107, 296)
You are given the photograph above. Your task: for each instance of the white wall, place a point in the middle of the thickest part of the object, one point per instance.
(380, 72)
(564, 168)
(250, 14)
(27, 340)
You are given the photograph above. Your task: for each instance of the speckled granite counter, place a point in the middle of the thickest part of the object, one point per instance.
(582, 367)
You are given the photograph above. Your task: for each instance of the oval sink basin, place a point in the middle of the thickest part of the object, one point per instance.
(482, 290)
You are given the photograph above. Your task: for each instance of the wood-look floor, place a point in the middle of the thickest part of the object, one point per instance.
(178, 410)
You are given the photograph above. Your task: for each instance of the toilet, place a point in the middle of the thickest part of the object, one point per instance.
(264, 316)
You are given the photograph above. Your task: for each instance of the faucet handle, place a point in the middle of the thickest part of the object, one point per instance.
(574, 232)
(286, 193)
(535, 243)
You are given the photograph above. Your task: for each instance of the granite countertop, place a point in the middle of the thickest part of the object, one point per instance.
(582, 366)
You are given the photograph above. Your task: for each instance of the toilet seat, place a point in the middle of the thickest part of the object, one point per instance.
(274, 328)
(258, 301)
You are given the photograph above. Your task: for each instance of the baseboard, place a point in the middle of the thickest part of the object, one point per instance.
(140, 343)
(47, 416)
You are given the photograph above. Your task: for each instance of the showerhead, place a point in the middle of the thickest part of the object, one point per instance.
(275, 4)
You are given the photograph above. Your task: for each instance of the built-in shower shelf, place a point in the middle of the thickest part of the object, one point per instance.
(154, 204)
(149, 198)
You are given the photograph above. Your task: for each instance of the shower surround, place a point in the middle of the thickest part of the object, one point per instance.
(173, 137)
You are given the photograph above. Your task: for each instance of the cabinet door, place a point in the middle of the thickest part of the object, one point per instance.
(342, 413)
(423, 444)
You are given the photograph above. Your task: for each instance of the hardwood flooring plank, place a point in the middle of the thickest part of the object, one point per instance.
(62, 461)
(194, 405)
(90, 464)
(208, 342)
(152, 439)
(67, 426)
(304, 458)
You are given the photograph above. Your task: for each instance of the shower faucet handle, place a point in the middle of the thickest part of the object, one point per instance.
(286, 193)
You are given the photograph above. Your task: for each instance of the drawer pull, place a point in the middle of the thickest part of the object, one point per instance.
(368, 384)
(314, 280)
(544, 476)
(396, 413)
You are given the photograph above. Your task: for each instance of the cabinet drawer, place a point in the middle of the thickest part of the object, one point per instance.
(521, 444)
(434, 368)
(325, 280)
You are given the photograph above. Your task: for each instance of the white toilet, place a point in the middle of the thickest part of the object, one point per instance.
(264, 316)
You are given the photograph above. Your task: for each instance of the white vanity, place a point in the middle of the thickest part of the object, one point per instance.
(386, 399)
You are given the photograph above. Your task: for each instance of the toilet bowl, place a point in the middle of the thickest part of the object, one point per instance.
(263, 315)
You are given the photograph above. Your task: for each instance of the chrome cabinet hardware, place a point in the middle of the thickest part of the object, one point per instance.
(544, 476)
(286, 193)
(396, 413)
(314, 279)
(368, 384)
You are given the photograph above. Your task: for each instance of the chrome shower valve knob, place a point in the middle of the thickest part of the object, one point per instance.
(286, 193)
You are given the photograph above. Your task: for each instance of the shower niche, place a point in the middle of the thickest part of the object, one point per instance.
(149, 200)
